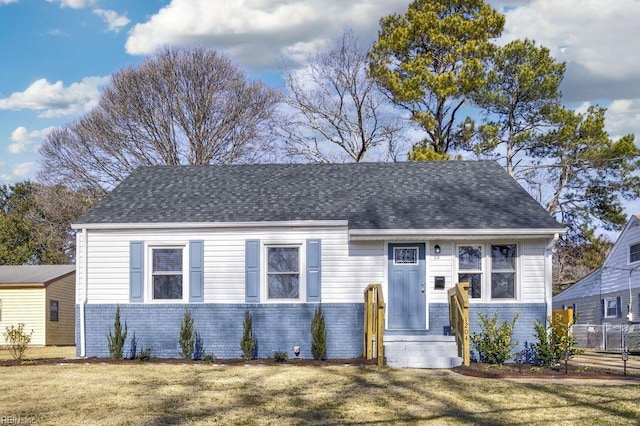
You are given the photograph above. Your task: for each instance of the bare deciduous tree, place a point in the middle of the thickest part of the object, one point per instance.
(334, 111)
(180, 106)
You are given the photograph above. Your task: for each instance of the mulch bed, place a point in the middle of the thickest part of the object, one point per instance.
(177, 361)
(531, 371)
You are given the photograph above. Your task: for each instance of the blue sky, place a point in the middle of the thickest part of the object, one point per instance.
(55, 55)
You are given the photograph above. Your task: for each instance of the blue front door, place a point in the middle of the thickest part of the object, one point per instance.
(406, 308)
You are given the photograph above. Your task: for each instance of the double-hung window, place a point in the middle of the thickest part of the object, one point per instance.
(283, 272)
(634, 253)
(611, 307)
(167, 273)
(470, 269)
(503, 271)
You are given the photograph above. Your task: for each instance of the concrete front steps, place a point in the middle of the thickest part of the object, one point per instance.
(428, 351)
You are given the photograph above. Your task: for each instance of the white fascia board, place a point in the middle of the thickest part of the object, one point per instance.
(449, 234)
(200, 225)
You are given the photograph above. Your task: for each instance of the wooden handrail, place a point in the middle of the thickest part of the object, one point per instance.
(373, 323)
(459, 318)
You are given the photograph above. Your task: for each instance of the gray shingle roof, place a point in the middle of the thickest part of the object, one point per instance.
(416, 195)
(33, 274)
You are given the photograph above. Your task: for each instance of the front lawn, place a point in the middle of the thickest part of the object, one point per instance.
(155, 393)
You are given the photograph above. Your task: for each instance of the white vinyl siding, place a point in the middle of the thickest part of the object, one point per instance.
(347, 268)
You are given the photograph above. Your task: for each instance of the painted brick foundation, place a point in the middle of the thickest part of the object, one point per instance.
(524, 330)
(277, 327)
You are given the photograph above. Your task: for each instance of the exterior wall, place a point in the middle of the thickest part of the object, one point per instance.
(24, 305)
(617, 278)
(61, 332)
(346, 270)
(277, 327)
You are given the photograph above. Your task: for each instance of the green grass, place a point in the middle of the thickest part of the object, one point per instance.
(145, 393)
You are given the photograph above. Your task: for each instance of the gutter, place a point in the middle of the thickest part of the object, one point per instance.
(83, 304)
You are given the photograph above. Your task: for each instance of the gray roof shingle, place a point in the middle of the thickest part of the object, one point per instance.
(416, 195)
(33, 274)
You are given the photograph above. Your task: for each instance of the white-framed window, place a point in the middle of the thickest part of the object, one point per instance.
(634, 253)
(283, 268)
(610, 307)
(167, 272)
(490, 269)
(470, 268)
(53, 310)
(503, 271)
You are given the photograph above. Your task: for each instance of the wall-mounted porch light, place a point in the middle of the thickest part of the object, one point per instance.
(436, 248)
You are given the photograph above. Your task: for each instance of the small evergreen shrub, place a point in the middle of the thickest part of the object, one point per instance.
(198, 349)
(280, 356)
(17, 341)
(494, 343)
(144, 355)
(133, 351)
(187, 336)
(318, 335)
(248, 342)
(117, 339)
(554, 342)
(208, 358)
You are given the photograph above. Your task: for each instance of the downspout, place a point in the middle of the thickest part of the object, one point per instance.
(548, 275)
(85, 281)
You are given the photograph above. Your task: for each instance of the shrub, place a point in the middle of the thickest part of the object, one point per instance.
(318, 335)
(117, 339)
(208, 358)
(554, 342)
(144, 355)
(280, 356)
(494, 343)
(248, 342)
(187, 336)
(17, 340)
(199, 349)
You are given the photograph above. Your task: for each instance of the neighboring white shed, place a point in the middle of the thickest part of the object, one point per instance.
(43, 298)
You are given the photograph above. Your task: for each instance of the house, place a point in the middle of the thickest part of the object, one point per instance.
(611, 293)
(41, 297)
(279, 239)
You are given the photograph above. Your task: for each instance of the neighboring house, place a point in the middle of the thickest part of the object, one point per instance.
(41, 297)
(277, 240)
(609, 294)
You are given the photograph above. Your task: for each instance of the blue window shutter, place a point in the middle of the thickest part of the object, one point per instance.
(602, 308)
(314, 255)
(196, 271)
(252, 270)
(619, 307)
(136, 271)
(575, 313)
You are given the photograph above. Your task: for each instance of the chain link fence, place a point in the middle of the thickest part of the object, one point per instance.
(608, 337)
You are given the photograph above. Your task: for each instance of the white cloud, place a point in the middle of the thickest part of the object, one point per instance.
(55, 100)
(114, 21)
(20, 171)
(258, 33)
(623, 117)
(74, 4)
(23, 139)
(7, 2)
(597, 40)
